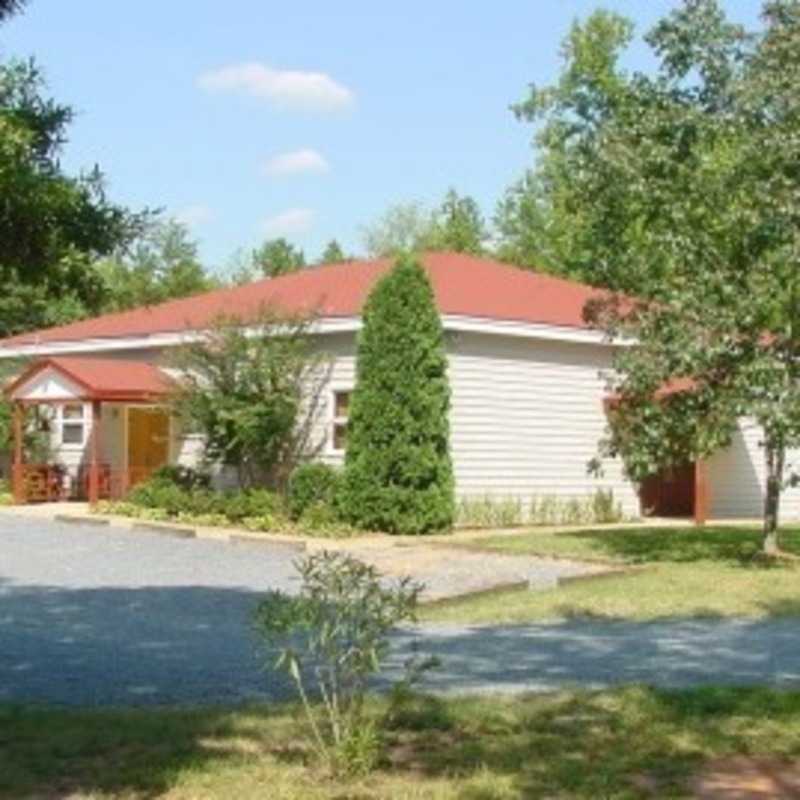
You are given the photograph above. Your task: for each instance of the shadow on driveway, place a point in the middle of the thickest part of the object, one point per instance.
(194, 644)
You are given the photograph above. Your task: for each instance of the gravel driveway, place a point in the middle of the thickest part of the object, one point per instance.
(94, 616)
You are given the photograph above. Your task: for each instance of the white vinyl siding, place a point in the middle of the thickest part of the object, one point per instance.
(737, 478)
(527, 417)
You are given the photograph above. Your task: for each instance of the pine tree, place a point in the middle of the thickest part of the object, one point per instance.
(398, 474)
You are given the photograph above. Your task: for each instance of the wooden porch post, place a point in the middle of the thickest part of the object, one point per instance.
(94, 447)
(18, 469)
(702, 492)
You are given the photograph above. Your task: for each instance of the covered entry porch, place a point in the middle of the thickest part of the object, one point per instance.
(102, 426)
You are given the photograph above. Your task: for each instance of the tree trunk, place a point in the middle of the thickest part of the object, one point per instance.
(774, 462)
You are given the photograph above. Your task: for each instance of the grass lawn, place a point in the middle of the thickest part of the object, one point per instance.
(627, 743)
(686, 572)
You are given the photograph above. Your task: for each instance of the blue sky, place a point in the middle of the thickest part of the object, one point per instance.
(251, 119)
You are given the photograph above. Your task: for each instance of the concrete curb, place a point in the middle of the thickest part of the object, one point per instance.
(243, 538)
(78, 519)
(176, 531)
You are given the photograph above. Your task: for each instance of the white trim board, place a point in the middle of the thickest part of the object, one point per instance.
(325, 325)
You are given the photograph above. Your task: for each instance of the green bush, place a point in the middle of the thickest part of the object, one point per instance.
(161, 494)
(310, 484)
(398, 475)
(185, 477)
(6, 495)
(333, 637)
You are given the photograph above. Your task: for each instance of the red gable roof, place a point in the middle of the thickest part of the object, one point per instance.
(103, 378)
(464, 286)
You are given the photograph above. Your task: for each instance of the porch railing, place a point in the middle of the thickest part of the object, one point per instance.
(50, 483)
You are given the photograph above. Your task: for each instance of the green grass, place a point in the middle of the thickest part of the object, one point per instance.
(680, 572)
(567, 745)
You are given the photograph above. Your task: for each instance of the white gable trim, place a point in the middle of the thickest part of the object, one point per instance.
(326, 325)
(49, 384)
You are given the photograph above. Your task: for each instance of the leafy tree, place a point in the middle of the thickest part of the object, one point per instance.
(161, 265)
(278, 257)
(398, 475)
(547, 220)
(458, 225)
(52, 226)
(405, 227)
(686, 191)
(253, 390)
(333, 253)
(9, 7)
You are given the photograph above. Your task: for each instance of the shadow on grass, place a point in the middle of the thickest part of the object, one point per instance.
(631, 742)
(679, 545)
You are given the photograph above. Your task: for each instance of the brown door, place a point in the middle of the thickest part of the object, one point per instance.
(148, 442)
(670, 493)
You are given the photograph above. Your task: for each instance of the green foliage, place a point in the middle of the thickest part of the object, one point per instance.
(333, 253)
(6, 496)
(160, 492)
(405, 227)
(398, 475)
(175, 494)
(509, 512)
(309, 485)
(253, 393)
(336, 632)
(52, 226)
(184, 477)
(457, 224)
(489, 512)
(277, 257)
(548, 219)
(682, 187)
(162, 264)
(9, 7)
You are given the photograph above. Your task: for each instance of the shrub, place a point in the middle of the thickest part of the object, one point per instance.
(336, 632)
(186, 477)
(6, 495)
(310, 484)
(398, 476)
(490, 512)
(494, 512)
(161, 495)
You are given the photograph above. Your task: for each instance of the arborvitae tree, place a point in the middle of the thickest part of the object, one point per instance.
(398, 474)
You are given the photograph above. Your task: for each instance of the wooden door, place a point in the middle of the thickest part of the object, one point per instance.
(148, 442)
(671, 493)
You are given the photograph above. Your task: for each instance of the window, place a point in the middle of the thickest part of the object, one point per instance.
(73, 425)
(341, 411)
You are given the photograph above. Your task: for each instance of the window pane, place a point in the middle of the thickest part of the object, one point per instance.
(72, 412)
(339, 436)
(342, 404)
(72, 433)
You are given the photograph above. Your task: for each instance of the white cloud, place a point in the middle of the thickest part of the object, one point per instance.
(290, 89)
(295, 163)
(292, 222)
(194, 215)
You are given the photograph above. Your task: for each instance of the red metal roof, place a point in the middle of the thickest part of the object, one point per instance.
(103, 378)
(464, 285)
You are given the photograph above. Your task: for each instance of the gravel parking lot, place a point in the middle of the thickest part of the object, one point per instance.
(94, 616)
(105, 616)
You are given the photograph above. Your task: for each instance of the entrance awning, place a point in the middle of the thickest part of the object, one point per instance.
(65, 379)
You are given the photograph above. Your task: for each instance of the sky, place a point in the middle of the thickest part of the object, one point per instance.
(250, 119)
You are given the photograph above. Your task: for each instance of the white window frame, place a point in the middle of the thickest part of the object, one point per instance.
(82, 422)
(334, 421)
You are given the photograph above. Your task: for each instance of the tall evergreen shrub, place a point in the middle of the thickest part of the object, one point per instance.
(398, 474)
